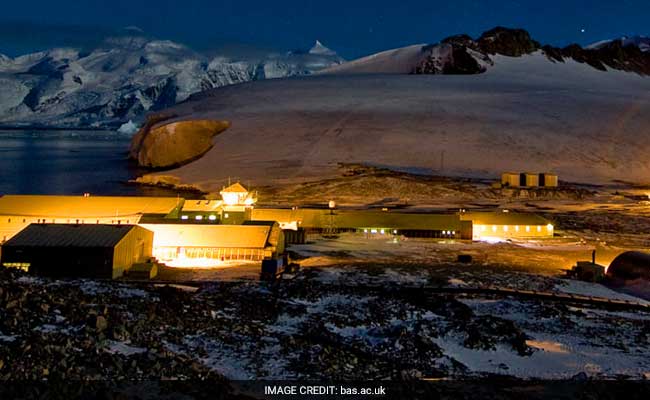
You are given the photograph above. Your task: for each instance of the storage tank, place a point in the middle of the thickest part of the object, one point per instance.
(630, 265)
(547, 179)
(529, 179)
(510, 179)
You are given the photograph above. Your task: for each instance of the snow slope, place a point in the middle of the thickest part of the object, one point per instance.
(395, 61)
(524, 113)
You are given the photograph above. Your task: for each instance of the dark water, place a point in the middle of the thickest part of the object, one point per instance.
(68, 162)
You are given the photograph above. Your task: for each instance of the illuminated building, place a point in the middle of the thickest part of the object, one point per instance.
(500, 225)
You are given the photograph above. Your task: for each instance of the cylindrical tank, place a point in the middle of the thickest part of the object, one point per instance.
(630, 265)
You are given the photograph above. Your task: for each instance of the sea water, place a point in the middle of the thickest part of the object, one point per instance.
(68, 162)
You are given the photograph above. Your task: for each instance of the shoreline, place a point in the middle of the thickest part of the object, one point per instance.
(55, 128)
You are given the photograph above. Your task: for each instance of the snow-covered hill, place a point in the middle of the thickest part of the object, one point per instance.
(526, 113)
(125, 77)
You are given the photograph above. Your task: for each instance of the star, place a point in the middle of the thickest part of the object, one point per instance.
(582, 30)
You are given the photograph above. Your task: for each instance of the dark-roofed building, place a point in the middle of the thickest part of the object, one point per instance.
(79, 251)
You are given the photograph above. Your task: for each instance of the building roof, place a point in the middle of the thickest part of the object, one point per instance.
(235, 188)
(85, 207)
(67, 235)
(202, 205)
(310, 218)
(224, 236)
(503, 218)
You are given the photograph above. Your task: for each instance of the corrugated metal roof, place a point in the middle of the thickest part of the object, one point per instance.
(85, 207)
(504, 218)
(64, 235)
(224, 236)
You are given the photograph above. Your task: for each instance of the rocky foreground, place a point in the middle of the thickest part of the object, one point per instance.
(353, 323)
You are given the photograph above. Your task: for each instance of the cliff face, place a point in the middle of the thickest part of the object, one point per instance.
(165, 145)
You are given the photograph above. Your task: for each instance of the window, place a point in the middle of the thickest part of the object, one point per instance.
(22, 266)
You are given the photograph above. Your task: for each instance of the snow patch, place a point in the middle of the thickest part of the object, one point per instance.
(128, 128)
(124, 348)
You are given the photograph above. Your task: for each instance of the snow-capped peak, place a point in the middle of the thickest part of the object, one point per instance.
(319, 49)
(640, 41)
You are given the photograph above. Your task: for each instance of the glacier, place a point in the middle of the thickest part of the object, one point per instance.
(126, 76)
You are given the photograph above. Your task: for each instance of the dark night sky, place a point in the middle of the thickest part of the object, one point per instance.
(351, 27)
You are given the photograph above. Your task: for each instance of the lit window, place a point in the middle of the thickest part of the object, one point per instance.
(373, 231)
(212, 217)
(517, 228)
(453, 232)
(505, 228)
(199, 217)
(226, 215)
(184, 217)
(395, 231)
(382, 232)
(483, 228)
(527, 228)
(494, 228)
(549, 227)
(365, 231)
(539, 229)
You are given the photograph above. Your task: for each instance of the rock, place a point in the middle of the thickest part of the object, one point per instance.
(100, 323)
(507, 42)
(165, 145)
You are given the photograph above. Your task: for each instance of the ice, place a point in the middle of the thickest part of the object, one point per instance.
(595, 290)
(128, 128)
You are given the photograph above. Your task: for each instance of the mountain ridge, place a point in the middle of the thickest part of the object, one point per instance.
(123, 77)
(461, 54)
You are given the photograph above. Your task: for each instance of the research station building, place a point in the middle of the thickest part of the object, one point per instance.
(78, 251)
(508, 225)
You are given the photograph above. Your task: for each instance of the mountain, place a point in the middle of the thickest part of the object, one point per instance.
(462, 54)
(496, 103)
(124, 77)
(319, 49)
(641, 42)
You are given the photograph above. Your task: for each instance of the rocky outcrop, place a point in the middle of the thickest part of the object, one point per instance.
(613, 55)
(451, 59)
(165, 145)
(507, 42)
